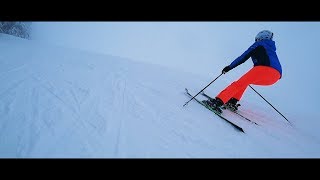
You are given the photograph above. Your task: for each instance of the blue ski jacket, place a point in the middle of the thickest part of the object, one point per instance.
(262, 53)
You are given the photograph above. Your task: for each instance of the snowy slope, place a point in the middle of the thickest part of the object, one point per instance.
(59, 102)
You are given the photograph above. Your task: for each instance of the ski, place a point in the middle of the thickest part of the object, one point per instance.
(215, 112)
(207, 96)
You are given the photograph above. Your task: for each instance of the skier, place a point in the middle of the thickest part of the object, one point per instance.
(266, 71)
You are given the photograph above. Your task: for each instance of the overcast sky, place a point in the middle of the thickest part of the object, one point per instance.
(191, 46)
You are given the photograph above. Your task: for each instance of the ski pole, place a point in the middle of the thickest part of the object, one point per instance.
(202, 89)
(269, 104)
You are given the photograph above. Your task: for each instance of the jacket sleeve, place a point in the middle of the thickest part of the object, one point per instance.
(245, 56)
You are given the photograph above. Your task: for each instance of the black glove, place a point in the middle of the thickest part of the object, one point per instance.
(226, 69)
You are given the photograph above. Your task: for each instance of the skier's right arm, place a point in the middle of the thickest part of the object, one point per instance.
(245, 56)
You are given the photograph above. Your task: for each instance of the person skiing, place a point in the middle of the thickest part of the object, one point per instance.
(266, 71)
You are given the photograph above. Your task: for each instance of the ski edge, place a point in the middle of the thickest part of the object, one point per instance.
(207, 96)
(233, 124)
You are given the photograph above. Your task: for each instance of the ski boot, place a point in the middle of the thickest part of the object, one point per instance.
(232, 105)
(214, 104)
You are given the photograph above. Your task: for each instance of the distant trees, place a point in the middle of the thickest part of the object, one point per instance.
(19, 29)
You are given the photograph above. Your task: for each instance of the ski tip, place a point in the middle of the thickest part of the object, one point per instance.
(239, 128)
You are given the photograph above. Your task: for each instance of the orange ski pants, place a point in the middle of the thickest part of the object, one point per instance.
(258, 75)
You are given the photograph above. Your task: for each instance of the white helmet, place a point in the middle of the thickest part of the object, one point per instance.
(265, 34)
